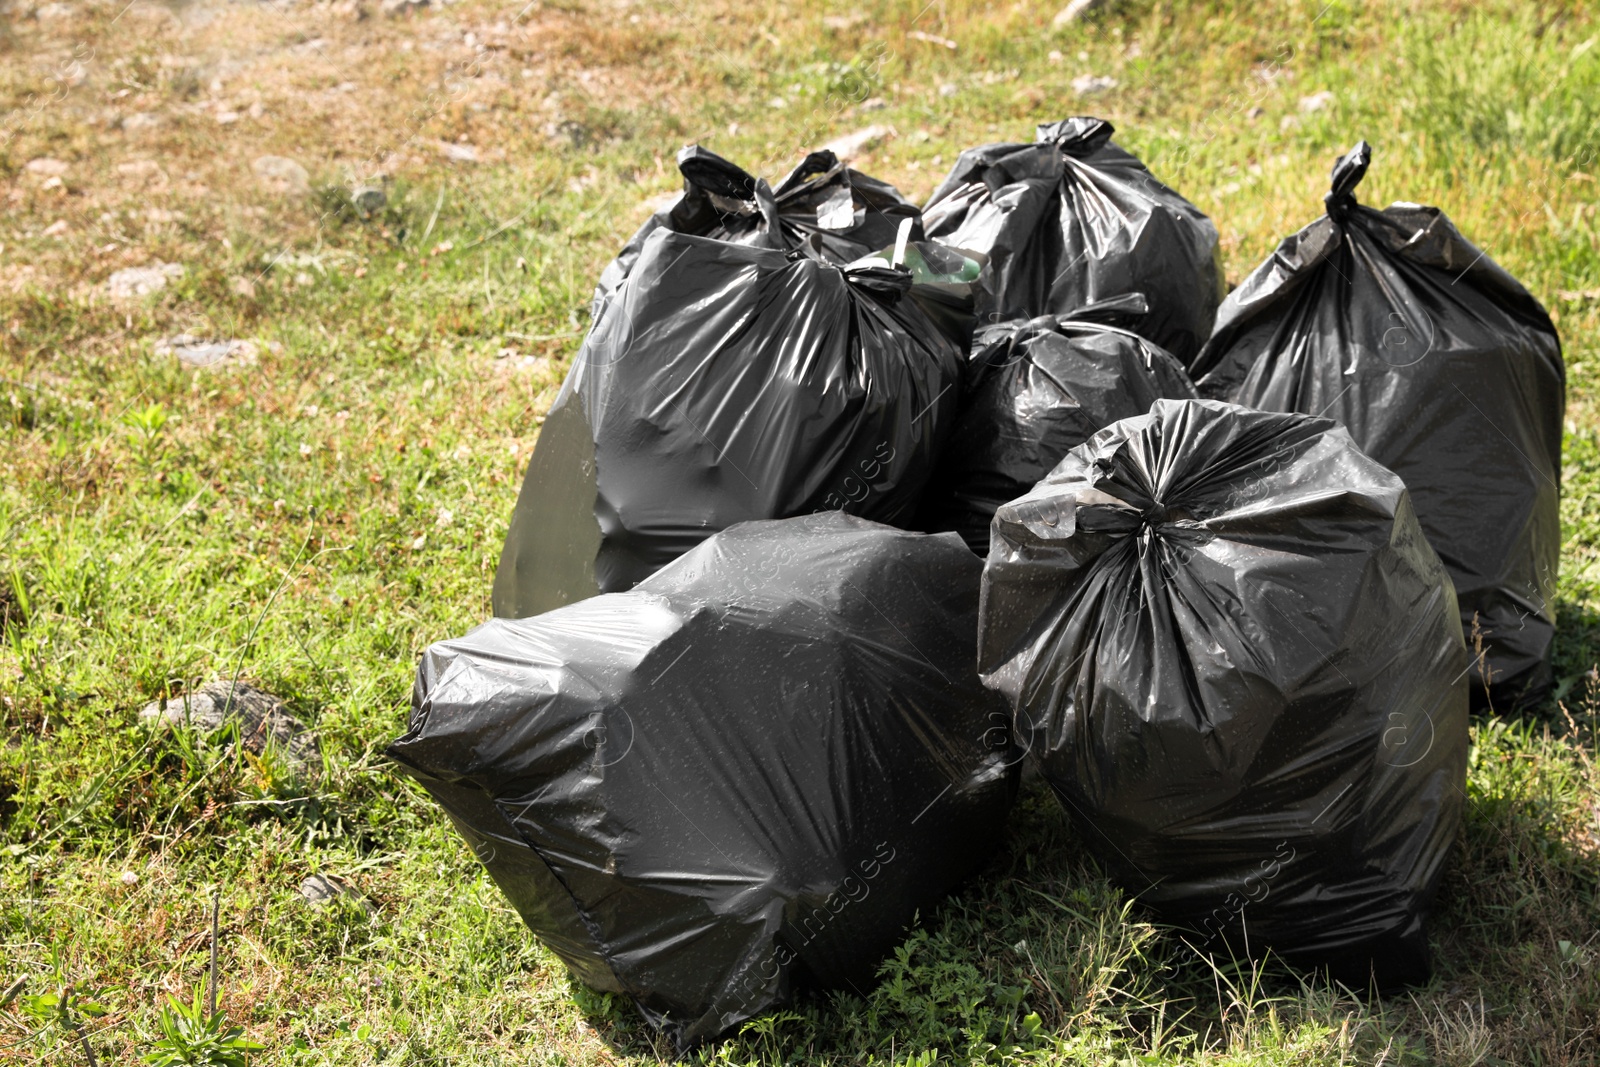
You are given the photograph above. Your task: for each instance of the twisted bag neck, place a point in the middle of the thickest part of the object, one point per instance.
(728, 187)
(1078, 137)
(1347, 174)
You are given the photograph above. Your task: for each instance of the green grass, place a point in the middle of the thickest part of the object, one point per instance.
(313, 521)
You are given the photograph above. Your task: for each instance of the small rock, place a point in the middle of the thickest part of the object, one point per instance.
(876, 103)
(142, 170)
(47, 12)
(45, 167)
(842, 22)
(1075, 11)
(948, 89)
(140, 122)
(1288, 122)
(852, 145)
(1255, 113)
(1055, 56)
(227, 118)
(369, 199)
(319, 889)
(52, 183)
(244, 287)
(56, 228)
(141, 281)
(574, 133)
(130, 878)
(932, 38)
(282, 175)
(1316, 102)
(1088, 84)
(261, 717)
(458, 153)
(777, 103)
(398, 8)
(512, 363)
(199, 352)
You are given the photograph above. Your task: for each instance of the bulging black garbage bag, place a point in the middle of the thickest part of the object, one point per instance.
(843, 213)
(742, 777)
(1073, 220)
(728, 383)
(1444, 369)
(1036, 389)
(1241, 668)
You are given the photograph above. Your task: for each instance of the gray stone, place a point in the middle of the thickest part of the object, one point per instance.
(1089, 84)
(369, 199)
(1316, 102)
(262, 719)
(133, 282)
(195, 351)
(282, 175)
(320, 889)
(46, 167)
(852, 145)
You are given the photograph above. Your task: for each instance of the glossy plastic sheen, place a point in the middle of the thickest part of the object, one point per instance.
(841, 212)
(744, 776)
(1444, 369)
(1241, 668)
(727, 383)
(1074, 220)
(1037, 389)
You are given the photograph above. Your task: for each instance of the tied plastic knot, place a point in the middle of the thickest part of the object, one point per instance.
(1080, 136)
(1159, 514)
(1347, 174)
(1339, 205)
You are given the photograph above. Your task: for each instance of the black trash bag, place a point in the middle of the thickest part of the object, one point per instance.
(1241, 669)
(740, 779)
(841, 212)
(1073, 220)
(1037, 389)
(1444, 369)
(724, 384)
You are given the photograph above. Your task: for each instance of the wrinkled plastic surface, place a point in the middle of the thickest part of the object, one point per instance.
(1074, 219)
(1036, 389)
(840, 212)
(1242, 670)
(742, 777)
(1444, 369)
(728, 383)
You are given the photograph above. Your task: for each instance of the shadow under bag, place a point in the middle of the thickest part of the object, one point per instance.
(1445, 370)
(1241, 669)
(742, 777)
